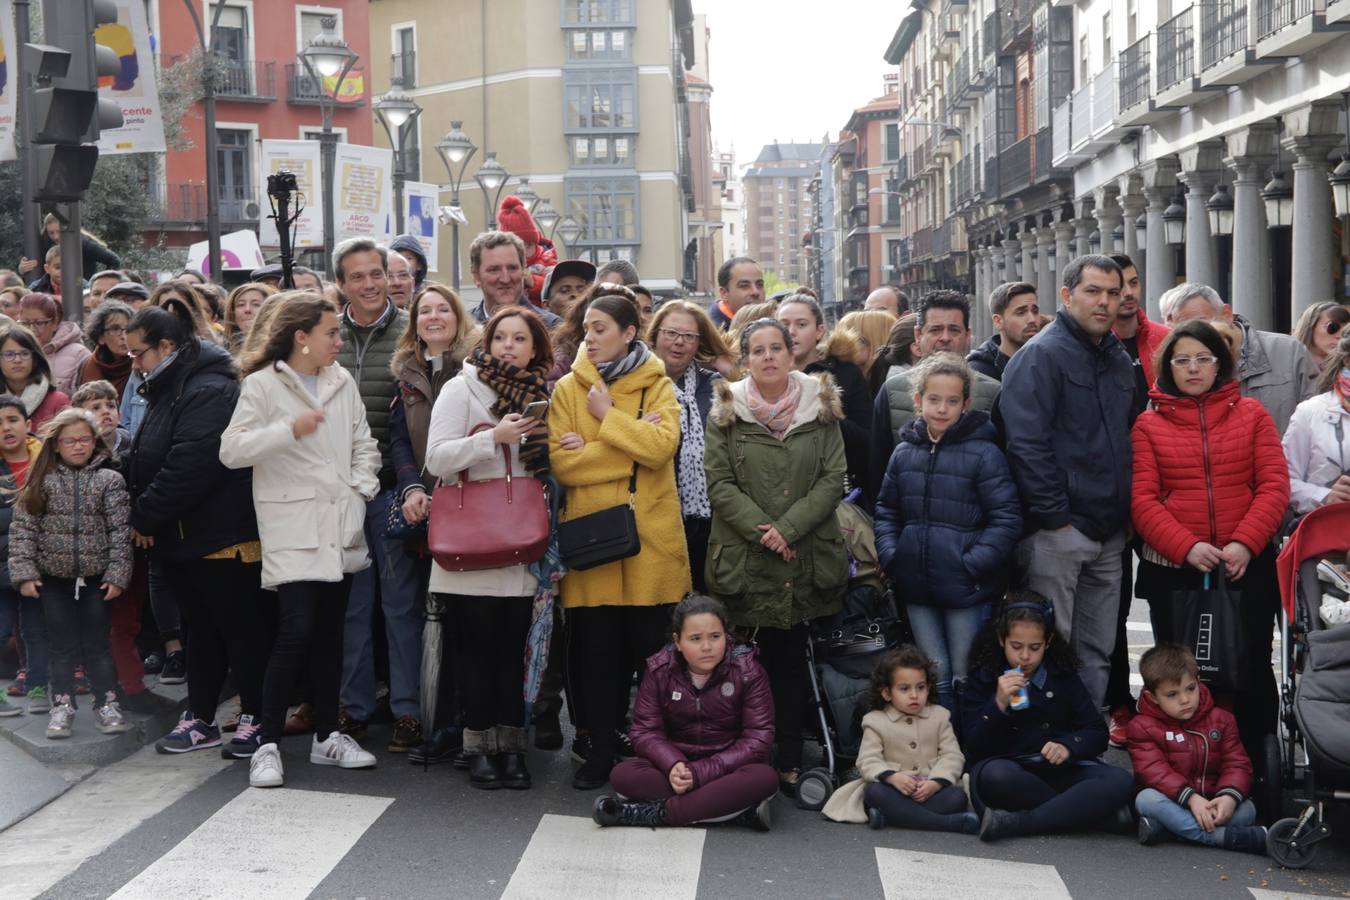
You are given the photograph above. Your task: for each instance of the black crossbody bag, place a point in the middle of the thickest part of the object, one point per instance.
(605, 536)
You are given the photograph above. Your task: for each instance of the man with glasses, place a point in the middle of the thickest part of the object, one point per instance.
(1066, 410)
(1276, 369)
(942, 326)
(401, 281)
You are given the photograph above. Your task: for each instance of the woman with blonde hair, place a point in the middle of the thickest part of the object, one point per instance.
(1320, 328)
(240, 309)
(871, 328)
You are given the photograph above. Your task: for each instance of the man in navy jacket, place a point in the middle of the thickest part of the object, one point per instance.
(1066, 410)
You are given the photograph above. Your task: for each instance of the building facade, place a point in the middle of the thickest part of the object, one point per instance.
(1118, 126)
(586, 98)
(778, 207)
(867, 191)
(263, 93)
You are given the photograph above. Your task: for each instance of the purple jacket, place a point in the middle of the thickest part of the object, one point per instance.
(726, 725)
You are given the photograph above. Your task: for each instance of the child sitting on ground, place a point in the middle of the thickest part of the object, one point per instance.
(909, 760)
(1189, 760)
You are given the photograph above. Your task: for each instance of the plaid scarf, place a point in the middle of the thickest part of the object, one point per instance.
(515, 389)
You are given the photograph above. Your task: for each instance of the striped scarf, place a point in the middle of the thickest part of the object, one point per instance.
(516, 388)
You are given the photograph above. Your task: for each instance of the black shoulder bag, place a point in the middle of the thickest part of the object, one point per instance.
(605, 536)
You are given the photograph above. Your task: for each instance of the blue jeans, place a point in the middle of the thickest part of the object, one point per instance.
(32, 630)
(393, 577)
(1180, 821)
(946, 636)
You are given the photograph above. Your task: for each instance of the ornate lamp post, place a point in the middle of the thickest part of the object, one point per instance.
(328, 56)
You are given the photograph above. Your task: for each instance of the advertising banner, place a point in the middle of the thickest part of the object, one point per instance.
(238, 250)
(9, 82)
(421, 204)
(302, 158)
(133, 88)
(363, 191)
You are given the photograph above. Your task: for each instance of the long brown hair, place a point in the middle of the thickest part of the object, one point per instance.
(711, 342)
(190, 302)
(410, 346)
(33, 496)
(300, 311)
(232, 324)
(542, 358)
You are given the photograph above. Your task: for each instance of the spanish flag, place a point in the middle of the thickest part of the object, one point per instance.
(353, 87)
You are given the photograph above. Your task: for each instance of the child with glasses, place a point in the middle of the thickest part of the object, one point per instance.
(70, 546)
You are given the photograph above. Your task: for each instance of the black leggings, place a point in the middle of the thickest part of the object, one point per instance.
(1118, 683)
(78, 623)
(943, 811)
(309, 628)
(609, 644)
(490, 635)
(230, 622)
(1060, 798)
(782, 652)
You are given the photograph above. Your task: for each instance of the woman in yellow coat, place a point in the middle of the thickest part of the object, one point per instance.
(614, 409)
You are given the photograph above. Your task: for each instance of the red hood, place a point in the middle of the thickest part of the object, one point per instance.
(1149, 707)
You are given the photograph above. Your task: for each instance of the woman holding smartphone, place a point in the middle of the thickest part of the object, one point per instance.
(480, 427)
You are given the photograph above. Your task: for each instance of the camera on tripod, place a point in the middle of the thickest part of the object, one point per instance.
(282, 185)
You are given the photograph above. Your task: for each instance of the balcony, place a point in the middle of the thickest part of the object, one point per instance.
(923, 244)
(1227, 54)
(990, 44)
(1016, 25)
(1136, 84)
(1105, 105)
(247, 81)
(1062, 120)
(182, 207)
(1178, 82)
(1015, 166)
(403, 69)
(302, 89)
(1293, 27)
(992, 181)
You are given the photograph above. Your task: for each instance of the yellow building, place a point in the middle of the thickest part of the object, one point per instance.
(582, 97)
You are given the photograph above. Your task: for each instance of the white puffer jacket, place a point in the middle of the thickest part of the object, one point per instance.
(1317, 446)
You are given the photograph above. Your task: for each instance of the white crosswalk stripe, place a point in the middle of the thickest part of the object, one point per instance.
(1263, 894)
(265, 828)
(912, 875)
(573, 857)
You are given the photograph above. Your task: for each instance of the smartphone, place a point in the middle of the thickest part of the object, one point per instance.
(536, 410)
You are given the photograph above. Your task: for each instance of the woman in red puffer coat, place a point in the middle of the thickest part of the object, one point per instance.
(702, 729)
(1210, 488)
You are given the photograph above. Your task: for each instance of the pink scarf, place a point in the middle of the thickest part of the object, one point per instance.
(776, 416)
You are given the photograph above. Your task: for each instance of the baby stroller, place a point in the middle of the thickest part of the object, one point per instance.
(841, 653)
(1314, 680)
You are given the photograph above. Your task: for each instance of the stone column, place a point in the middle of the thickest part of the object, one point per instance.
(1045, 270)
(1251, 154)
(1063, 254)
(1159, 183)
(1107, 213)
(1012, 249)
(1312, 134)
(1132, 205)
(981, 291)
(1082, 230)
(1200, 173)
(1028, 269)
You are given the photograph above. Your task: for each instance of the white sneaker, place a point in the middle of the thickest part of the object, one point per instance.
(264, 767)
(108, 718)
(340, 750)
(58, 720)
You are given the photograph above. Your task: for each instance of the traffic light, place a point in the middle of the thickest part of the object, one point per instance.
(68, 113)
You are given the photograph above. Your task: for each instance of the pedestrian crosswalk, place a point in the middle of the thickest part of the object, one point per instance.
(911, 875)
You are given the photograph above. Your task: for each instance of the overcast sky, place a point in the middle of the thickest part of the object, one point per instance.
(793, 71)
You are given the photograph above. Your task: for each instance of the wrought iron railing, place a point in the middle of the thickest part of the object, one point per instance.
(1134, 73)
(186, 203)
(1223, 30)
(247, 78)
(403, 69)
(1176, 49)
(1272, 15)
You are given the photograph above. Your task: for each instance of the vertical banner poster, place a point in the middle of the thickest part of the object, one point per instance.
(9, 82)
(421, 203)
(134, 87)
(363, 190)
(302, 158)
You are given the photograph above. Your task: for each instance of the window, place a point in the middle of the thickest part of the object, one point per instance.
(234, 171)
(310, 24)
(232, 36)
(613, 150)
(403, 71)
(892, 209)
(600, 99)
(577, 13)
(315, 133)
(1083, 68)
(599, 46)
(608, 207)
(1106, 37)
(892, 141)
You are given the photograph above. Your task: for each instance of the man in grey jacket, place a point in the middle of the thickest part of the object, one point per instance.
(1274, 368)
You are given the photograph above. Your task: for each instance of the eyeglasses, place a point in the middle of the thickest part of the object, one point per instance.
(83, 441)
(678, 337)
(115, 329)
(1185, 362)
(136, 354)
(16, 355)
(35, 323)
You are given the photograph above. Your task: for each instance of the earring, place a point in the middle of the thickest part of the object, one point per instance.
(304, 351)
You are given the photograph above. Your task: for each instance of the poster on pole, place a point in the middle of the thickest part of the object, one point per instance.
(9, 82)
(134, 88)
(421, 202)
(238, 250)
(302, 158)
(363, 189)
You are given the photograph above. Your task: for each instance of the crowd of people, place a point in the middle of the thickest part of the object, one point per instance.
(257, 489)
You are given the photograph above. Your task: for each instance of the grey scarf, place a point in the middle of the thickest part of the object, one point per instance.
(615, 369)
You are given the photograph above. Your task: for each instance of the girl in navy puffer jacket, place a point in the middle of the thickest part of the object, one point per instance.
(702, 729)
(947, 519)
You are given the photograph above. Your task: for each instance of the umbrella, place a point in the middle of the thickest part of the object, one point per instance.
(433, 639)
(548, 571)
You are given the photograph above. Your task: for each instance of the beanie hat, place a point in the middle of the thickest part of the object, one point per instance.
(515, 218)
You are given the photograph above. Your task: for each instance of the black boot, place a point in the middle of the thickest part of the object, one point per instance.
(548, 734)
(1249, 839)
(440, 746)
(511, 743)
(610, 811)
(484, 765)
(759, 817)
(998, 824)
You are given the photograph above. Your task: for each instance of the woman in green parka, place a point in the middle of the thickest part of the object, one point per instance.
(775, 462)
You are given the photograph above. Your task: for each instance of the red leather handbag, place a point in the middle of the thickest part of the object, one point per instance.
(490, 523)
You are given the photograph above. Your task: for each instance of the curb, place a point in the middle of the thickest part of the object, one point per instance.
(86, 746)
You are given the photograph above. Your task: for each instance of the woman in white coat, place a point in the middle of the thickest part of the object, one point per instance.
(479, 422)
(301, 425)
(1317, 442)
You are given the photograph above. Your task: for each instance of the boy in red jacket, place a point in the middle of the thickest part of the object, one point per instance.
(1189, 760)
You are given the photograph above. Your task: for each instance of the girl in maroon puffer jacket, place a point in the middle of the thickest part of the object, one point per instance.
(702, 729)
(1210, 489)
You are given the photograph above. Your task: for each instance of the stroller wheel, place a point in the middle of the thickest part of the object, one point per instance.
(814, 788)
(1272, 776)
(1287, 847)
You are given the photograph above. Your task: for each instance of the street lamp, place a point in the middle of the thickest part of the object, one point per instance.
(1141, 230)
(526, 195)
(1340, 177)
(455, 149)
(1279, 198)
(1095, 242)
(492, 177)
(546, 217)
(397, 110)
(1174, 222)
(328, 56)
(1220, 207)
(570, 231)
